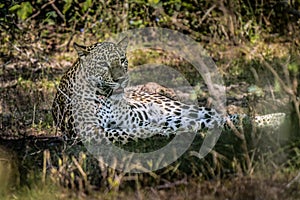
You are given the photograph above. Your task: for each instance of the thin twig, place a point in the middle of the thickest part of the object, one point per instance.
(58, 11)
(45, 161)
(38, 12)
(207, 13)
(275, 74)
(286, 88)
(296, 179)
(241, 135)
(172, 185)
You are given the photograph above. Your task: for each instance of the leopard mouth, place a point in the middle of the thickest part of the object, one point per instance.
(122, 81)
(119, 90)
(116, 85)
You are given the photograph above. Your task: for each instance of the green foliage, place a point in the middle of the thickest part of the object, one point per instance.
(153, 2)
(293, 68)
(23, 10)
(49, 18)
(222, 21)
(67, 6)
(86, 5)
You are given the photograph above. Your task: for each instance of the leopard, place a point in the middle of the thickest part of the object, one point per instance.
(86, 106)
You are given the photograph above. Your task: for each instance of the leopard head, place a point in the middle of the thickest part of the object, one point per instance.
(104, 64)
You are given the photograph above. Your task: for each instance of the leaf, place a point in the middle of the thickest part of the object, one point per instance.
(153, 2)
(86, 5)
(25, 10)
(15, 7)
(50, 15)
(293, 68)
(67, 6)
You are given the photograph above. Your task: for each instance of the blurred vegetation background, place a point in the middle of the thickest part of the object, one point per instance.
(234, 22)
(255, 45)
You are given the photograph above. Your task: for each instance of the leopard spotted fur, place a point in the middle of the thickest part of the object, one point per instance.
(84, 105)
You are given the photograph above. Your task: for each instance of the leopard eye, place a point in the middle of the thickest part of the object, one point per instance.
(123, 60)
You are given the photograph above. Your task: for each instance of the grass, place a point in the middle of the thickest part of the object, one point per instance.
(254, 187)
(37, 191)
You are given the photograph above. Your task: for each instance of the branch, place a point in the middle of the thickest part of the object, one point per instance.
(38, 12)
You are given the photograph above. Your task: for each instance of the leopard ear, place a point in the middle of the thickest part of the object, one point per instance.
(81, 50)
(123, 43)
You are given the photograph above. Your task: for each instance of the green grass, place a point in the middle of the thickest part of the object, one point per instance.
(37, 191)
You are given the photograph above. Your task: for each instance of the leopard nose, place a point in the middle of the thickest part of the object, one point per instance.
(119, 80)
(122, 79)
(123, 82)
